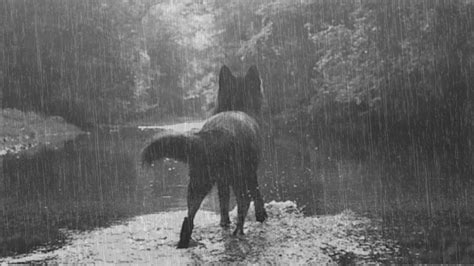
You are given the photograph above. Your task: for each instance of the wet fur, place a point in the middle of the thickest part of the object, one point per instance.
(226, 152)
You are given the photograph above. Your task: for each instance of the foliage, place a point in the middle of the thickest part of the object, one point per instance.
(366, 73)
(181, 43)
(73, 58)
(371, 70)
(393, 59)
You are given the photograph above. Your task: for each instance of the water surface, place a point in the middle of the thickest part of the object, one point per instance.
(97, 179)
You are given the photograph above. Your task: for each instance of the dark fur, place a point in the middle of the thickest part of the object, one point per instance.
(226, 152)
(239, 93)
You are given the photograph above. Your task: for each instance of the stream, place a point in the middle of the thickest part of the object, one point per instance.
(96, 180)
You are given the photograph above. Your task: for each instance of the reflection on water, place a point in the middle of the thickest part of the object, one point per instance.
(97, 179)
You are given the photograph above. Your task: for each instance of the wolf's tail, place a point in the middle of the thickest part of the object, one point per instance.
(179, 146)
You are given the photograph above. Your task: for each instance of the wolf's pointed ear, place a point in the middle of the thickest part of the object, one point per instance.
(253, 75)
(225, 75)
(252, 72)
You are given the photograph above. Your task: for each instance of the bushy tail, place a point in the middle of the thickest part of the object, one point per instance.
(179, 146)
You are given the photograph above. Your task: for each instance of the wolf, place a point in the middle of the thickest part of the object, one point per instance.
(225, 152)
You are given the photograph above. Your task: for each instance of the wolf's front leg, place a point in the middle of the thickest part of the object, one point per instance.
(197, 190)
(224, 197)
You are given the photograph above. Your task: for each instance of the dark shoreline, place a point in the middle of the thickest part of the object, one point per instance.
(24, 131)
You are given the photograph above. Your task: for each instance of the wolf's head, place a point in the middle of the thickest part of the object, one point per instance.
(239, 93)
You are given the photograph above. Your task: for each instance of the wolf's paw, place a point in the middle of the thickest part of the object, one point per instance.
(225, 223)
(191, 243)
(238, 232)
(261, 216)
(183, 244)
(185, 235)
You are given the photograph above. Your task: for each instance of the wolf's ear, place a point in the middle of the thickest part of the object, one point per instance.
(225, 75)
(253, 76)
(253, 72)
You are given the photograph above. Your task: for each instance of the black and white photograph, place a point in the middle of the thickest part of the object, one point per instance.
(249, 132)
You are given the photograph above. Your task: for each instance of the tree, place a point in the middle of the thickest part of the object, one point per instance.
(73, 58)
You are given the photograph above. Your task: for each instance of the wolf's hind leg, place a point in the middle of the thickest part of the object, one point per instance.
(243, 202)
(260, 213)
(224, 196)
(197, 191)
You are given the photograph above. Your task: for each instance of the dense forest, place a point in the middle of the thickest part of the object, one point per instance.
(357, 72)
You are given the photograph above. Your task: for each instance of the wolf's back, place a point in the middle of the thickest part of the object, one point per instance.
(231, 133)
(222, 134)
(237, 125)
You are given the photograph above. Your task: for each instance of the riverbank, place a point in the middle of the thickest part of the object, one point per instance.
(22, 131)
(287, 237)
